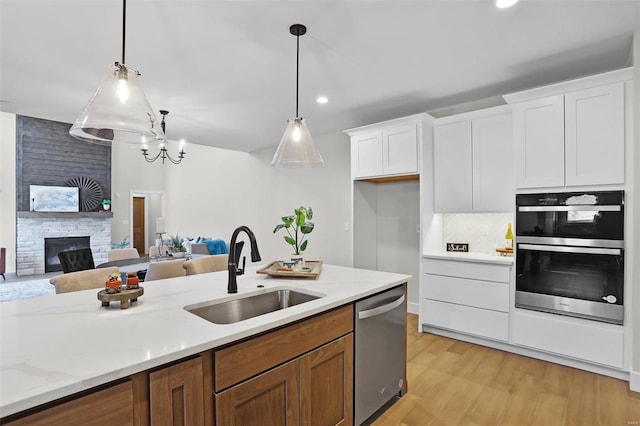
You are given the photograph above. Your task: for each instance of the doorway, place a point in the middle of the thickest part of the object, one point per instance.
(146, 213)
(139, 241)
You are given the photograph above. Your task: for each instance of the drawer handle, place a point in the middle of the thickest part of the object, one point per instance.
(381, 309)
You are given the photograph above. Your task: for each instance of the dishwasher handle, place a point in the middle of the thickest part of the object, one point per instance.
(381, 309)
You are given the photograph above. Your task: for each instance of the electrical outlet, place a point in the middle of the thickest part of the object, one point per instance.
(485, 230)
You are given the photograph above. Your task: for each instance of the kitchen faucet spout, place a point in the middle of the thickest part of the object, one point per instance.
(232, 285)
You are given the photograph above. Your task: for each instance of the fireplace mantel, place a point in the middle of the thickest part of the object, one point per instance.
(63, 215)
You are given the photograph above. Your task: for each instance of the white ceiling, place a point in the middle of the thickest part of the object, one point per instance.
(226, 69)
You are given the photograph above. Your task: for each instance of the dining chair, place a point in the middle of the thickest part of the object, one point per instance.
(154, 251)
(124, 253)
(76, 260)
(82, 280)
(204, 264)
(165, 269)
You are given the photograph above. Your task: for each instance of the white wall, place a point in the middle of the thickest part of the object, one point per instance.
(8, 188)
(216, 190)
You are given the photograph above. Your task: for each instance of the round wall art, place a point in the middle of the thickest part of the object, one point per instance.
(90, 192)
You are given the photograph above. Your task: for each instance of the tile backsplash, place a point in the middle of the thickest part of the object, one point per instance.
(471, 228)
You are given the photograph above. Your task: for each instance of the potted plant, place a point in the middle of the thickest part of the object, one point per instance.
(297, 227)
(176, 246)
(106, 204)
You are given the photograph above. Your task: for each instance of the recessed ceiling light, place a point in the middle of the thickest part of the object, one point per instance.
(322, 99)
(505, 3)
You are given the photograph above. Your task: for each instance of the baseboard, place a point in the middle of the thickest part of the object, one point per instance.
(413, 308)
(634, 381)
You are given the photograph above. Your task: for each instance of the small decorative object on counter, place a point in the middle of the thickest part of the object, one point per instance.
(177, 246)
(132, 280)
(114, 283)
(508, 238)
(106, 205)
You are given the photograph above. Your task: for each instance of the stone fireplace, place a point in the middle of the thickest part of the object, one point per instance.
(34, 227)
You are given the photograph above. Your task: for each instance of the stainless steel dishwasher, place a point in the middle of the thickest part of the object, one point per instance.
(380, 369)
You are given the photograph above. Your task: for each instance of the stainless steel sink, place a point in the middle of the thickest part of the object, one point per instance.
(249, 306)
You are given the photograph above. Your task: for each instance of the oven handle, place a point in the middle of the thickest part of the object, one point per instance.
(566, 249)
(616, 208)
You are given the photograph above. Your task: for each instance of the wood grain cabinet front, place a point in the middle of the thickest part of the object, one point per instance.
(177, 393)
(113, 405)
(299, 374)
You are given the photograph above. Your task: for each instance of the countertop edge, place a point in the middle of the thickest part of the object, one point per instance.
(470, 257)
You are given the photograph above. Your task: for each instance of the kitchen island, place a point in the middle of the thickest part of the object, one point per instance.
(57, 346)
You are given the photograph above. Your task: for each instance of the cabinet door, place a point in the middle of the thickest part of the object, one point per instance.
(268, 399)
(539, 142)
(326, 384)
(111, 406)
(400, 150)
(366, 155)
(493, 174)
(594, 135)
(176, 394)
(452, 168)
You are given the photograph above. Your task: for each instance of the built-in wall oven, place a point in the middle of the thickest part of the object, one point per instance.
(570, 254)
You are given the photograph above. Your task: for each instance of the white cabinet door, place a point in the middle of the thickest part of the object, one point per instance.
(400, 150)
(493, 172)
(366, 155)
(539, 142)
(594, 135)
(452, 168)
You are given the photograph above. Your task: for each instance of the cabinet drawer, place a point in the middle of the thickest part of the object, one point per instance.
(600, 343)
(471, 270)
(465, 319)
(246, 359)
(463, 291)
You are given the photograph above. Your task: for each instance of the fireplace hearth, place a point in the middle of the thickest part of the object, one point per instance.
(54, 245)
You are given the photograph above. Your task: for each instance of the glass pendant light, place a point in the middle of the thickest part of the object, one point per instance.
(118, 110)
(296, 149)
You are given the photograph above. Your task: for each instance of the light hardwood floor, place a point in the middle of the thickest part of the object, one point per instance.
(458, 383)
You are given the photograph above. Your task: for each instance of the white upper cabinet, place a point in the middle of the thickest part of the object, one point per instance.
(473, 162)
(493, 176)
(539, 142)
(574, 137)
(594, 135)
(453, 181)
(384, 149)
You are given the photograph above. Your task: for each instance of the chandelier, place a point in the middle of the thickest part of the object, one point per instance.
(163, 153)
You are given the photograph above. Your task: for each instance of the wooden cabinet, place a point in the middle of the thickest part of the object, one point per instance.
(177, 394)
(473, 162)
(268, 399)
(110, 406)
(466, 297)
(300, 374)
(386, 149)
(326, 384)
(572, 138)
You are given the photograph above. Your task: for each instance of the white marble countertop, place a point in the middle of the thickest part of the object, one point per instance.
(54, 346)
(470, 257)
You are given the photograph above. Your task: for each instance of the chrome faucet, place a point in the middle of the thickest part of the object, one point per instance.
(232, 286)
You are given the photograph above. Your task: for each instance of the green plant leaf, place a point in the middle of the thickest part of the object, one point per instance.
(288, 220)
(290, 240)
(303, 247)
(277, 228)
(309, 213)
(300, 218)
(307, 228)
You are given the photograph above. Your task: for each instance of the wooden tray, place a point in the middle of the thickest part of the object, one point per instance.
(505, 252)
(272, 270)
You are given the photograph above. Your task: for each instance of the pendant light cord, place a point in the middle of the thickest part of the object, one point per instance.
(124, 26)
(297, 67)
